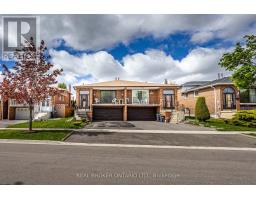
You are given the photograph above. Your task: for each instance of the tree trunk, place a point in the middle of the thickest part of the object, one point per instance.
(30, 117)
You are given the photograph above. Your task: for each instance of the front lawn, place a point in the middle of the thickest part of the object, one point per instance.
(220, 125)
(37, 135)
(52, 123)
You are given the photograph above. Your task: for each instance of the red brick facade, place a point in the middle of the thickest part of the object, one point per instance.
(124, 92)
(188, 100)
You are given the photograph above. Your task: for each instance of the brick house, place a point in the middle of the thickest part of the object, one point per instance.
(126, 100)
(57, 106)
(222, 97)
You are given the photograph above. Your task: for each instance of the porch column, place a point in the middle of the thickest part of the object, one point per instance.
(161, 99)
(176, 103)
(125, 105)
(237, 100)
(77, 97)
(91, 99)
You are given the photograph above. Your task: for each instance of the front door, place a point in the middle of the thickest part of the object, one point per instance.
(84, 101)
(229, 101)
(5, 110)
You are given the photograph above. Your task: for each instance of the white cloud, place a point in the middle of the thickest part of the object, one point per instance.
(97, 32)
(202, 37)
(100, 65)
(153, 66)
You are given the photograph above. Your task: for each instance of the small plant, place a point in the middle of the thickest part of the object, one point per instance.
(77, 123)
(201, 110)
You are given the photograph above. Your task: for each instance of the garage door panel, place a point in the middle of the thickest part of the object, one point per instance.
(141, 114)
(107, 114)
(22, 114)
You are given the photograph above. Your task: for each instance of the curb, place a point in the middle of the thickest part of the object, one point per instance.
(161, 131)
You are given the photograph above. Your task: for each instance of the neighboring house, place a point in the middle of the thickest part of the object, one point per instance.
(62, 104)
(1, 107)
(57, 106)
(222, 97)
(126, 100)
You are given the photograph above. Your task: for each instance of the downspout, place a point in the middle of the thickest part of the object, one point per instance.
(215, 100)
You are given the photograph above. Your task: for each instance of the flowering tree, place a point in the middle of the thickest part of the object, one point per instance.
(31, 80)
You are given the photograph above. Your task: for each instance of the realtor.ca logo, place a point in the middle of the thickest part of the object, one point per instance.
(17, 33)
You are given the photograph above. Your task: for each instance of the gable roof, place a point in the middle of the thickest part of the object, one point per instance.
(191, 83)
(124, 83)
(222, 81)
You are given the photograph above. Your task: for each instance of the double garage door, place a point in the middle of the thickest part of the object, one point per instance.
(116, 114)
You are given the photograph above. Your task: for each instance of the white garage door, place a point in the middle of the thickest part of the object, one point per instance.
(22, 113)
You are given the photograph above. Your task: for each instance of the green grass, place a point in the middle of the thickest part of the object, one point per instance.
(37, 135)
(52, 123)
(220, 125)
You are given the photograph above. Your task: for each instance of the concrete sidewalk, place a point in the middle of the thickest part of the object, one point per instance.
(61, 143)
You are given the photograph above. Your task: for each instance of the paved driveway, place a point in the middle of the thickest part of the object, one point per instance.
(153, 125)
(5, 123)
(144, 125)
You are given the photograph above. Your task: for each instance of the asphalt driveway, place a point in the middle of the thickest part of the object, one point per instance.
(174, 139)
(144, 125)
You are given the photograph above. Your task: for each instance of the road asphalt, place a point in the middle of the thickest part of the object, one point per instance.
(67, 164)
(174, 139)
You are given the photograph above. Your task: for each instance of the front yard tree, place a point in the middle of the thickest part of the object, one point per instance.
(242, 62)
(32, 78)
(201, 110)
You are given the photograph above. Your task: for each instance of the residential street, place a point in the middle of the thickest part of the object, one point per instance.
(71, 164)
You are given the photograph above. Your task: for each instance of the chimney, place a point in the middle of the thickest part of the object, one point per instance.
(165, 81)
(69, 88)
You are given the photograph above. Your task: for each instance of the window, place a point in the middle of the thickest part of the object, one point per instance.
(46, 103)
(168, 99)
(185, 95)
(106, 96)
(140, 96)
(196, 93)
(248, 95)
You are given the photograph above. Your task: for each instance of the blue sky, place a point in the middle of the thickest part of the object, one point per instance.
(141, 47)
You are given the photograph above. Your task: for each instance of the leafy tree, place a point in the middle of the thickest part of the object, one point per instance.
(242, 62)
(201, 110)
(30, 81)
(62, 85)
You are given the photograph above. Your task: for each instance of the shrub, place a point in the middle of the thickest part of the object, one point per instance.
(244, 118)
(201, 110)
